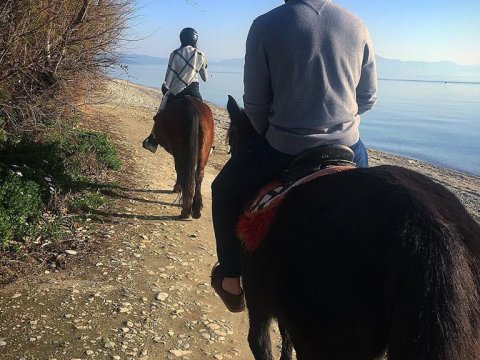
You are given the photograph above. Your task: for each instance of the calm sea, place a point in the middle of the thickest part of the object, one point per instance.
(437, 120)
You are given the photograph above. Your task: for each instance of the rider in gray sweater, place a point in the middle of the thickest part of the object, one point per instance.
(309, 74)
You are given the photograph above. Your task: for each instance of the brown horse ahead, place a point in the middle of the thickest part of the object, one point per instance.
(185, 129)
(365, 262)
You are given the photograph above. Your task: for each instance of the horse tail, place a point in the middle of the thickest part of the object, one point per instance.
(435, 290)
(190, 160)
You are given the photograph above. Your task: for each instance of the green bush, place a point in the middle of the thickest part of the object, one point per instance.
(35, 173)
(88, 202)
(97, 142)
(20, 207)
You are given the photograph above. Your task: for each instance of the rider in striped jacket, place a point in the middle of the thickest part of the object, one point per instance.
(181, 78)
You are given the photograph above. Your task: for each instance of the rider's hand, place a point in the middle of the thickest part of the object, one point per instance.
(164, 88)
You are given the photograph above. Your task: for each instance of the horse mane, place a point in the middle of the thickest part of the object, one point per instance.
(241, 129)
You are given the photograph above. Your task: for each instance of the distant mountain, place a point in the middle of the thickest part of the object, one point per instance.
(229, 62)
(397, 69)
(386, 68)
(137, 59)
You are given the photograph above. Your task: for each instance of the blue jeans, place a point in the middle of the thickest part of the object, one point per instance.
(361, 156)
(253, 166)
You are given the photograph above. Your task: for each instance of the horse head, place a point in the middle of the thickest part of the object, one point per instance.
(241, 129)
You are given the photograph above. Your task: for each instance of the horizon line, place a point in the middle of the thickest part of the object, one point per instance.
(383, 57)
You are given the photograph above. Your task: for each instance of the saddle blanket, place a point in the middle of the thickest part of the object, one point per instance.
(254, 223)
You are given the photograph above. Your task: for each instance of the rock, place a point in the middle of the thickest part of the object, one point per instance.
(157, 339)
(220, 333)
(162, 296)
(213, 326)
(109, 345)
(70, 252)
(16, 296)
(2, 343)
(179, 353)
(60, 261)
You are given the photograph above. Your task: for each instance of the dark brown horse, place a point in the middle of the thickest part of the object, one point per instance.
(365, 263)
(185, 129)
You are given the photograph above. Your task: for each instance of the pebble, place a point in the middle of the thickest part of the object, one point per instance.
(16, 296)
(2, 343)
(213, 326)
(162, 296)
(109, 345)
(70, 252)
(179, 353)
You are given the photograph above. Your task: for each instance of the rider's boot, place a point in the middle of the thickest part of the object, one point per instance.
(150, 144)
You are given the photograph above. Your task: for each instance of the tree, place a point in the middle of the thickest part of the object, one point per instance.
(53, 50)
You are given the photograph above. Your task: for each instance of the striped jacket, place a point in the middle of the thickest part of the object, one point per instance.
(184, 66)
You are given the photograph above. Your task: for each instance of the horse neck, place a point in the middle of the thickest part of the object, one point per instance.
(244, 132)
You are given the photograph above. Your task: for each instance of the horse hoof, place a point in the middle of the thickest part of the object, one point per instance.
(177, 189)
(196, 214)
(184, 214)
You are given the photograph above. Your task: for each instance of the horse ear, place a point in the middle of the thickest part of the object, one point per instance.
(233, 108)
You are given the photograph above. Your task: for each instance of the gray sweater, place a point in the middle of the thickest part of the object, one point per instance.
(309, 74)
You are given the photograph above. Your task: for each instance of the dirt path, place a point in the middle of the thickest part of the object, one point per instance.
(146, 293)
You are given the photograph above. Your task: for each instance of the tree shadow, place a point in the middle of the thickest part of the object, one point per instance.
(109, 216)
(152, 191)
(113, 194)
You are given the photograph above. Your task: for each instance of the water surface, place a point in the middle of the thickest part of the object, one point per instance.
(434, 120)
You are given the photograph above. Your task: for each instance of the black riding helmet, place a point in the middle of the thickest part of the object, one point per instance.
(189, 36)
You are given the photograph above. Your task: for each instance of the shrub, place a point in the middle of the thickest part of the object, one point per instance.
(98, 143)
(88, 202)
(35, 173)
(20, 206)
(53, 51)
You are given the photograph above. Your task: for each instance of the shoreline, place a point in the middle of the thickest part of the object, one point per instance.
(464, 185)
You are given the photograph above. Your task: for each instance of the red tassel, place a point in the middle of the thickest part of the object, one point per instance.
(252, 228)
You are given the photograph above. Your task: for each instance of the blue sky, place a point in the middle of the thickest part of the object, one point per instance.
(422, 30)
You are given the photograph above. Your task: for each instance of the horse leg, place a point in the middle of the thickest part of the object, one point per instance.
(286, 342)
(197, 198)
(259, 336)
(177, 187)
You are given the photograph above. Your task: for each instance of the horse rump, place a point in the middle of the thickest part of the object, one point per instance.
(435, 303)
(368, 262)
